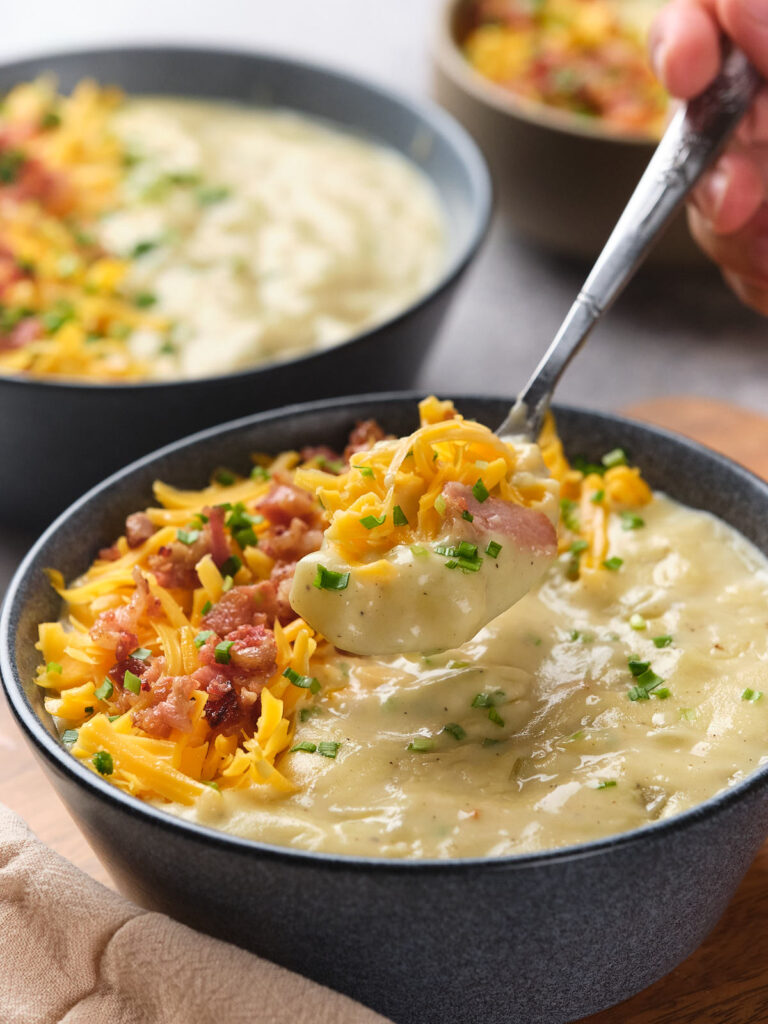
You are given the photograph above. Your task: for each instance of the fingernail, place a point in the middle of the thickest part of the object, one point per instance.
(711, 192)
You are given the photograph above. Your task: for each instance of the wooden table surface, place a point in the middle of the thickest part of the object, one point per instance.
(724, 982)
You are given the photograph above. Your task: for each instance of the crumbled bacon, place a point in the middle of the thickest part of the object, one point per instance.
(173, 707)
(22, 334)
(138, 529)
(323, 454)
(290, 543)
(218, 541)
(240, 606)
(364, 436)
(174, 564)
(255, 652)
(222, 709)
(527, 527)
(116, 628)
(285, 502)
(110, 554)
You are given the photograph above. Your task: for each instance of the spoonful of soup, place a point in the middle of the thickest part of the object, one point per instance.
(435, 534)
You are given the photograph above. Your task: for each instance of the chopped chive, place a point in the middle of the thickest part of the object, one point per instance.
(105, 691)
(440, 505)
(495, 717)
(419, 550)
(638, 667)
(245, 537)
(365, 471)
(201, 637)
(114, 718)
(222, 652)
(688, 714)
(466, 514)
(142, 248)
(606, 784)
(11, 162)
(615, 457)
(304, 682)
(455, 730)
(305, 746)
(188, 536)
(55, 667)
(597, 497)
(578, 546)
(488, 742)
(145, 299)
(211, 194)
(662, 693)
(399, 517)
(649, 680)
(70, 736)
(369, 522)
(422, 744)
(211, 785)
(482, 700)
(493, 549)
(569, 512)
(227, 584)
(231, 566)
(259, 473)
(131, 682)
(49, 120)
(637, 621)
(480, 491)
(225, 477)
(103, 763)
(751, 695)
(328, 749)
(466, 550)
(141, 654)
(614, 564)
(631, 521)
(662, 641)
(327, 579)
(638, 693)
(206, 608)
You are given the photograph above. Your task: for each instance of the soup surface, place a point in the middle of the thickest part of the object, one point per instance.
(163, 238)
(528, 737)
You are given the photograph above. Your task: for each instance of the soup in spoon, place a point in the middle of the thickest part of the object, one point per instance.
(431, 537)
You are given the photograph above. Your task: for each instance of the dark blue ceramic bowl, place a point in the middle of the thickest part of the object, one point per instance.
(534, 939)
(59, 438)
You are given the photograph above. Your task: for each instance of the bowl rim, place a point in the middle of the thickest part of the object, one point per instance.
(65, 764)
(448, 58)
(441, 122)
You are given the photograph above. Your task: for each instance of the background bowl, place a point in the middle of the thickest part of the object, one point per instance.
(542, 937)
(561, 180)
(59, 438)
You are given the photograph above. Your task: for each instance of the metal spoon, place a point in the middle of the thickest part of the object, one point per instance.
(695, 136)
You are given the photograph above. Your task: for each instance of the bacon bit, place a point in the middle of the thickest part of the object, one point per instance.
(174, 564)
(240, 606)
(116, 628)
(138, 529)
(34, 181)
(321, 452)
(173, 709)
(222, 709)
(289, 544)
(110, 554)
(527, 527)
(218, 541)
(363, 437)
(254, 650)
(284, 503)
(22, 334)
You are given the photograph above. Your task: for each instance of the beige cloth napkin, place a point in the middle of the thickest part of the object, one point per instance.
(74, 952)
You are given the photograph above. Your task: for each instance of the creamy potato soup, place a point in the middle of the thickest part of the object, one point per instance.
(593, 706)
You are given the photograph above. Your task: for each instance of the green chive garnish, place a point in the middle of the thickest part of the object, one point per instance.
(365, 470)
(483, 700)
(455, 730)
(480, 491)
(224, 477)
(421, 744)
(141, 654)
(304, 682)
(55, 667)
(495, 717)
(259, 473)
(419, 550)
(638, 667)
(305, 746)
(751, 695)
(131, 682)
(578, 546)
(70, 736)
(637, 621)
(142, 248)
(201, 637)
(206, 607)
(369, 522)
(614, 563)
(221, 651)
(327, 579)
(606, 784)
(466, 514)
(662, 641)
(188, 536)
(631, 521)
(232, 565)
(568, 510)
(105, 691)
(597, 497)
(615, 457)
(398, 516)
(440, 505)
(328, 749)
(103, 763)
(493, 549)
(145, 299)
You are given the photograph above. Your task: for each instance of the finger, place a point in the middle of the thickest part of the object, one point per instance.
(743, 253)
(754, 127)
(685, 47)
(730, 193)
(746, 22)
(751, 293)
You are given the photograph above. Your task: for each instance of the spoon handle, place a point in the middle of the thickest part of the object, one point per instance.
(695, 135)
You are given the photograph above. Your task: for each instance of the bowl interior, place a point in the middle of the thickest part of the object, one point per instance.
(419, 131)
(681, 468)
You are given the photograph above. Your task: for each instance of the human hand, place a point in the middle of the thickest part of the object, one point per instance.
(728, 209)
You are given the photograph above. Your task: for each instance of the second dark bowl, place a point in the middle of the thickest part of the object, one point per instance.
(59, 438)
(546, 937)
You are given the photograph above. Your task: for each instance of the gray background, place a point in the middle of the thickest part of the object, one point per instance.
(673, 332)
